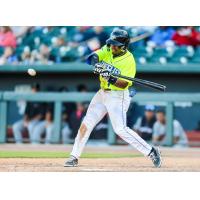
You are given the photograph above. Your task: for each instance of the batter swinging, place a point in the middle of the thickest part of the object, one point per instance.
(113, 97)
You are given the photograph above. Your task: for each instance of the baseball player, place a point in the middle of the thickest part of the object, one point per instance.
(112, 98)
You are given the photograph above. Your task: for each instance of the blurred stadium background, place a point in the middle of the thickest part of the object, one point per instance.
(169, 55)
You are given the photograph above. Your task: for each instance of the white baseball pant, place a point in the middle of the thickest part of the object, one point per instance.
(116, 104)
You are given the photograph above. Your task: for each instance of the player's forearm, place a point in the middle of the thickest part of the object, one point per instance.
(158, 138)
(121, 83)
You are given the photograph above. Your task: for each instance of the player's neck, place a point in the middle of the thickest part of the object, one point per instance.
(119, 54)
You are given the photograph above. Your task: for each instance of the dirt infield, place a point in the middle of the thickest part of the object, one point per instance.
(173, 160)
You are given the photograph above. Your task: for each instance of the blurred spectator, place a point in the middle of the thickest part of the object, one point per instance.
(83, 40)
(186, 36)
(47, 127)
(66, 130)
(76, 112)
(38, 57)
(34, 112)
(95, 39)
(144, 124)
(76, 117)
(59, 49)
(43, 55)
(63, 89)
(161, 37)
(27, 58)
(53, 44)
(135, 31)
(60, 41)
(44, 126)
(20, 31)
(159, 131)
(100, 131)
(68, 107)
(134, 112)
(101, 35)
(7, 38)
(198, 126)
(82, 33)
(82, 88)
(8, 56)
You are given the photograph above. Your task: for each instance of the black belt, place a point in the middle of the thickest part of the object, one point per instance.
(106, 89)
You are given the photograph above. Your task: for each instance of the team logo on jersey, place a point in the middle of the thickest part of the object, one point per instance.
(116, 71)
(112, 69)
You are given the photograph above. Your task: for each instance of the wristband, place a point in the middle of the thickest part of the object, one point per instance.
(112, 80)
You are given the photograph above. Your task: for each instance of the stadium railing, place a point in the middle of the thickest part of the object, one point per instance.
(166, 99)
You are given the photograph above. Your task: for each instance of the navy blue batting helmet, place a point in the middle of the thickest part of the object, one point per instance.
(119, 37)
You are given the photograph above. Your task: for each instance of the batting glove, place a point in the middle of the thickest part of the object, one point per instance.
(108, 76)
(98, 68)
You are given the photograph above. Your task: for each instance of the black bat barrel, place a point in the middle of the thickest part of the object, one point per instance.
(142, 82)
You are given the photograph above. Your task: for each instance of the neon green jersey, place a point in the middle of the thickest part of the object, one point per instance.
(125, 64)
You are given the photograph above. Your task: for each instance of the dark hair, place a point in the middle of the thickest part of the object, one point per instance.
(7, 29)
(63, 89)
(81, 88)
(35, 86)
(160, 110)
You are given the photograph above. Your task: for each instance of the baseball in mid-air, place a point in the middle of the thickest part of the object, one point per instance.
(31, 72)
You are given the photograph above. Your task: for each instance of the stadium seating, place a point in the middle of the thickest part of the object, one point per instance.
(196, 57)
(142, 52)
(167, 55)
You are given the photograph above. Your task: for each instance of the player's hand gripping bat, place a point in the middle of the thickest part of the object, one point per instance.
(103, 66)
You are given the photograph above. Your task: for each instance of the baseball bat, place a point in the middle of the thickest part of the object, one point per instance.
(140, 37)
(143, 82)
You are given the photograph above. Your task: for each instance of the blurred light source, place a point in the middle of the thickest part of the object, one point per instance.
(151, 44)
(163, 60)
(37, 40)
(63, 31)
(63, 50)
(170, 50)
(81, 50)
(54, 40)
(134, 32)
(190, 50)
(142, 60)
(26, 49)
(169, 43)
(45, 30)
(149, 51)
(183, 60)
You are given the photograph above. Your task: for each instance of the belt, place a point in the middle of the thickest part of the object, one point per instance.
(106, 89)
